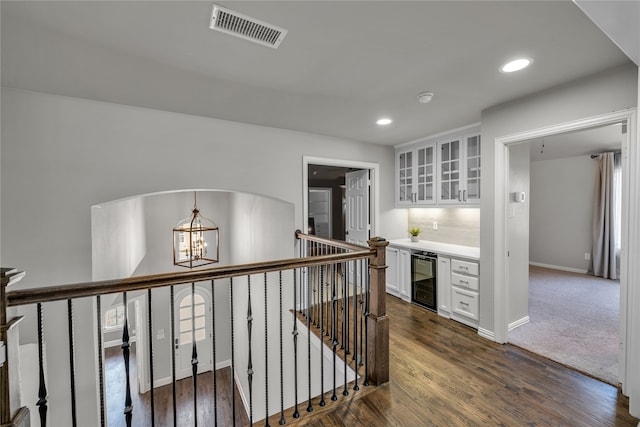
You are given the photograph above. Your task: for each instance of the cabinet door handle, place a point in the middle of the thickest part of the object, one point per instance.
(459, 196)
(464, 195)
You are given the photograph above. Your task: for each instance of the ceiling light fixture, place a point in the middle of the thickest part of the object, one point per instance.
(384, 121)
(516, 65)
(195, 240)
(425, 97)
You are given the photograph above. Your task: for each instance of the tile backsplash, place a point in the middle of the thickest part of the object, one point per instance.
(459, 226)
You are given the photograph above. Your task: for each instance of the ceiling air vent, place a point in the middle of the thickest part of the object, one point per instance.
(246, 27)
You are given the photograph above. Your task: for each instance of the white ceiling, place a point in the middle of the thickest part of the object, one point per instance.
(342, 65)
(585, 142)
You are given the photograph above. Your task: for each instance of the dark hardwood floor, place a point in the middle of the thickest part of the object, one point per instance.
(163, 397)
(443, 374)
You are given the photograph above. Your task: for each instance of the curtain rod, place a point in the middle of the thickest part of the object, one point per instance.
(595, 156)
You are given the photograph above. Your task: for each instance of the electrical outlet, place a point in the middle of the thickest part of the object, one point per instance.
(587, 256)
(435, 225)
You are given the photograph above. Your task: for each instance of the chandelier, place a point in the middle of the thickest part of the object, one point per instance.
(195, 240)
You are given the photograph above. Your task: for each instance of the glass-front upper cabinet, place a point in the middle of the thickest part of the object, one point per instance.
(405, 177)
(459, 165)
(473, 168)
(444, 171)
(416, 176)
(426, 174)
(449, 170)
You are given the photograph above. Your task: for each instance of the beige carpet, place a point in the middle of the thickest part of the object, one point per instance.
(573, 320)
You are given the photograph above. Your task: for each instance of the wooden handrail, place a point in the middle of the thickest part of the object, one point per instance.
(331, 242)
(104, 287)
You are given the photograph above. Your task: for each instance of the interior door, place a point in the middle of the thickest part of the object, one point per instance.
(357, 196)
(200, 313)
(358, 225)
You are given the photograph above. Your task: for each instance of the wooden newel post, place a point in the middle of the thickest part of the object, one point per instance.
(377, 320)
(11, 414)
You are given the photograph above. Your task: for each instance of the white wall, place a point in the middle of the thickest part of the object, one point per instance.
(62, 155)
(518, 225)
(117, 235)
(562, 211)
(611, 90)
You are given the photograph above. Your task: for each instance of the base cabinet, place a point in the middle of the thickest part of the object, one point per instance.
(404, 279)
(444, 286)
(399, 272)
(393, 255)
(465, 291)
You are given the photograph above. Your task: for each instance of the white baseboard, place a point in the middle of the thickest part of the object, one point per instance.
(518, 322)
(485, 333)
(559, 267)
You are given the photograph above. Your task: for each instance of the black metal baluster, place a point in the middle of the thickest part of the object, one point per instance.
(334, 325)
(322, 401)
(213, 350)
(250, 362)
(366, 326)
(342, 305)
(309, 405)
(72, 363)
(346, 311)
(150, 319)
(345, 322)
(128, 407)
(296, 414)
(233, 377)
(283, 421)
(174, 347)
(266, 355)
(355, 324)
(100, 361)
(361, 303)
(42, 388)
(194, 355)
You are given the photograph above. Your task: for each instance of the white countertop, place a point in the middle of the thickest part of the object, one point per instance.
(470, 252)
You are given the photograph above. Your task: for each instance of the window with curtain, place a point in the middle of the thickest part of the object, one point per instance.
(607, 216)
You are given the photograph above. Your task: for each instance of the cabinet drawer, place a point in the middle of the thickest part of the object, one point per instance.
(465, 303)
(465, 267)
(464, 281)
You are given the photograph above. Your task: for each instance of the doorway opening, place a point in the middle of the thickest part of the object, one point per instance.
(501, 251)
(564, 309)
(340, 198)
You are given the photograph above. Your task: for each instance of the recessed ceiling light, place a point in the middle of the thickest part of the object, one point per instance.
(384, 121)
(516, 65)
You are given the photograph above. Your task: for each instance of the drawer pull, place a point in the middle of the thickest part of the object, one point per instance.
(466, 282)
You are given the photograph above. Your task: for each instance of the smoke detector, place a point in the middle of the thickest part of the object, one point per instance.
(425, 97)
(248, 28)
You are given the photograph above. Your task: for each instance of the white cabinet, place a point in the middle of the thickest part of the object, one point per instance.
(404, 279)
(459, 169)
(416, 173)
(465, 291)
(393, 255)
(444, 286)
(444, 171)
(399, 272)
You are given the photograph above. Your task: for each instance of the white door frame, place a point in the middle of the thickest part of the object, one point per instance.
(630, 273)
(375, 185)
